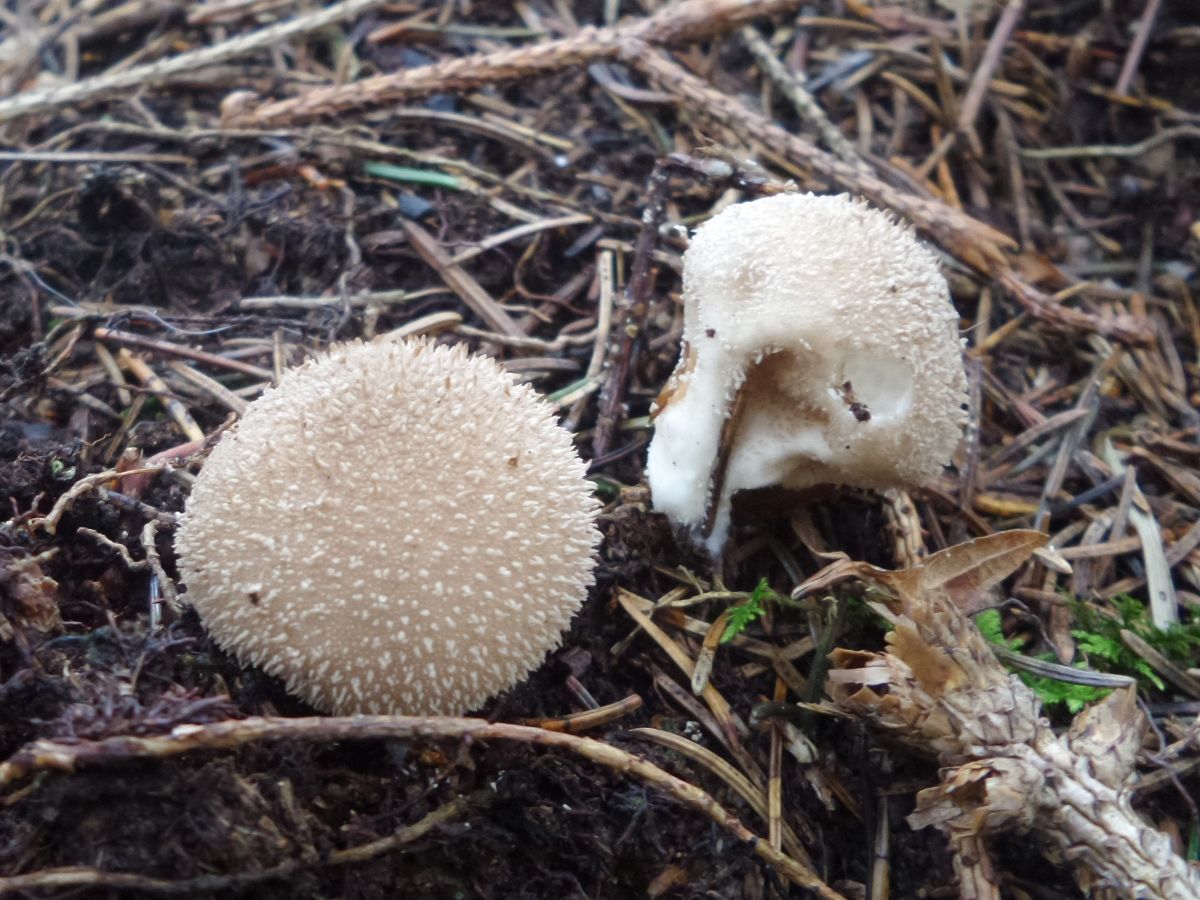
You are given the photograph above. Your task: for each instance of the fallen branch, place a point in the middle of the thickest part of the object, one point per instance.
(977, 244)
(677, 23)
(41, 756)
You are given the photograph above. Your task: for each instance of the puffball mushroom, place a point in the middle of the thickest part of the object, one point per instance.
(819, 347)
(396, 528)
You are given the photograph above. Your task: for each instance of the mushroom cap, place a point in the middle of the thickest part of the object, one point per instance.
(832, 328)
(395, 528)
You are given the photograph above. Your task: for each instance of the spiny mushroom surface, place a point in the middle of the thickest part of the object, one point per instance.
(819, 347)
(396, 528)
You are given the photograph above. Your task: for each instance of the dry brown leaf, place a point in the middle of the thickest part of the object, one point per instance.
(964, 572)
(967, 570)
(835, 573)
(931, 666)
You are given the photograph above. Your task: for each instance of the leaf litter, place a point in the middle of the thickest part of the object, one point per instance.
(195, 196)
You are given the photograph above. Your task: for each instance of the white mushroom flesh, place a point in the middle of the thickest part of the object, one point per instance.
(819, 346)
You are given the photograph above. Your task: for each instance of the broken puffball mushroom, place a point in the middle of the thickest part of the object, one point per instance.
(395, 528)
(819, 347)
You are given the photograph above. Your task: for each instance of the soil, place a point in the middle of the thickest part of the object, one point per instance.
(168, 221)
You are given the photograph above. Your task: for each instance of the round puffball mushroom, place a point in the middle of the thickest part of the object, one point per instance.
(819, 347)
(396, 528)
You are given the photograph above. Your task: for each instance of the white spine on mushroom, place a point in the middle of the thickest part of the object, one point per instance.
(836, 327)
(396, 528)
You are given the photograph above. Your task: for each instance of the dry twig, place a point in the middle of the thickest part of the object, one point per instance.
(106, 85)
(43, 756)
(792, 85)
(459, 281)
(676, 23)
(978, 245)
(1140, 39)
